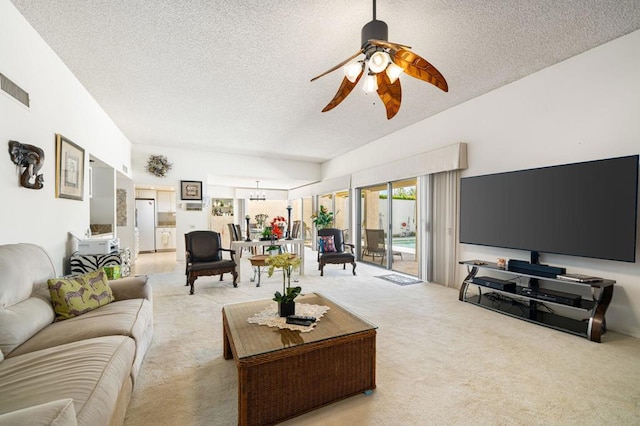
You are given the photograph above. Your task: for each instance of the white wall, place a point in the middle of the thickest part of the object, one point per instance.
(102, 201)
(126, 233)
(207, 166)
(60, 104)
(585, 108)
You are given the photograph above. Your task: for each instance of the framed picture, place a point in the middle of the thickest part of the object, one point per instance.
(190, 190)
(69, 169)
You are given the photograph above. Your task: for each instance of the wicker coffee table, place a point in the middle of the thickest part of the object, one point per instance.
(284, 373)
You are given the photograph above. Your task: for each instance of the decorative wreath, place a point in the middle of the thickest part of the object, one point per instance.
(158, 165)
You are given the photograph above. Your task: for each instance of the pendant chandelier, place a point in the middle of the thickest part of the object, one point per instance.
(257, 196)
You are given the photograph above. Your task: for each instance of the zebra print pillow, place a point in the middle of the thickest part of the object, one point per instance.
(80, 294)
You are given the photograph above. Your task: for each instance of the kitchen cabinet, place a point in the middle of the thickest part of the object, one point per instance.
(146, 193)
(165, 239)
(166, 201)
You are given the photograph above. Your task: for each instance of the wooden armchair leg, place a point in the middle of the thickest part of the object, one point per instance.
(354, 267)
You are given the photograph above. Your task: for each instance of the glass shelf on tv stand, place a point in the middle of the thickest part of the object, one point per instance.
(536, 310)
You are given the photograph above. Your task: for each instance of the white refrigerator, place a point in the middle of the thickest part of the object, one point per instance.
(146, 223)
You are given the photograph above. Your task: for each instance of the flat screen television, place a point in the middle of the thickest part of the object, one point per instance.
(586, 209)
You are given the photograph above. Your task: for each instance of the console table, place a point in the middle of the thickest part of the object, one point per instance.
(591, 324)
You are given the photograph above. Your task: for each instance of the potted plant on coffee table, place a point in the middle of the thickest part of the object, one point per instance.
(288, 262)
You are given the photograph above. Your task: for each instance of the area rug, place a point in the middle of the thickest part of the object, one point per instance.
(399, 279)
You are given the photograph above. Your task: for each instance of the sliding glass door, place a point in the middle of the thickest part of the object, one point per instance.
(404, 213)
(388, 231)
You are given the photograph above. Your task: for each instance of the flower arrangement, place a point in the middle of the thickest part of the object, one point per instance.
(288, 262)
(261, 219)
(158, 165)
(277, 226)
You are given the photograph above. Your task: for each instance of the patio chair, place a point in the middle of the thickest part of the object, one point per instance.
(333, 249)
(376, 245)
(204, 257)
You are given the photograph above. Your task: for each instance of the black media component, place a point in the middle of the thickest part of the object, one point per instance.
(496, 283)
(524, 267)
(584, 209)
(551, 295)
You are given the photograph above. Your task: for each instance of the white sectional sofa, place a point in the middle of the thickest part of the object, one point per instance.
(77, 371)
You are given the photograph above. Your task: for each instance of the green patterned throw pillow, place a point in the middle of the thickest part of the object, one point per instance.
(78, 295)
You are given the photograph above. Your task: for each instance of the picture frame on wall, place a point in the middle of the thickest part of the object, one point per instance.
(69, 169)
(191, 190)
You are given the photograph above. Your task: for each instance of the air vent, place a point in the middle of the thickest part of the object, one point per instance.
(14, 90)
(194, 206)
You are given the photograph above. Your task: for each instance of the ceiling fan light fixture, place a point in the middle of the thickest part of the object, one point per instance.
(394, 72)
(352, 70)
(370, 83)
(382, 55)
(379, 61)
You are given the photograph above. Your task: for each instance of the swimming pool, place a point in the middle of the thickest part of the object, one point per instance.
(408, 242)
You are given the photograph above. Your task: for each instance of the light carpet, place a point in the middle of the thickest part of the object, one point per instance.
(439, 361)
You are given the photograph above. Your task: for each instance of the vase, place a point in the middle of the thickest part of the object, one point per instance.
(286, 308)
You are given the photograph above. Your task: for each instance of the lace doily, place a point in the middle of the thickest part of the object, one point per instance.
(271, 318)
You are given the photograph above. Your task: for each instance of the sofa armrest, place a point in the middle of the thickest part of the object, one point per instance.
(131, 288)
(58, 413)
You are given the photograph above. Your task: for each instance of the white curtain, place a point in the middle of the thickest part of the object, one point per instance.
(444, 227)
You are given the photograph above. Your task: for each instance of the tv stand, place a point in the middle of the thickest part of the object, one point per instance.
(591, 325)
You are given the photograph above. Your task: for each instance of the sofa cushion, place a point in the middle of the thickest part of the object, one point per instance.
(133, 318)
(25, 307)
(91, 373)
(24, 269)
(21, 321)
(327, 244)
(131, 288)
(54, 413)
(78, 295)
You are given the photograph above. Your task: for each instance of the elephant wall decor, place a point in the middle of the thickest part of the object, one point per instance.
(32, 159)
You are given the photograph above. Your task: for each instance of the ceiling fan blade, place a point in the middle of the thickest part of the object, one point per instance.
(419, 68)
(390, 93)
(341, 64)
(389, 45)
(343, 91)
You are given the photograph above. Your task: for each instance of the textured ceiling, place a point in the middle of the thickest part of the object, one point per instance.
(233, 76)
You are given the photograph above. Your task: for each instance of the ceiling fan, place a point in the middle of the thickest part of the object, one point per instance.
(382, 55)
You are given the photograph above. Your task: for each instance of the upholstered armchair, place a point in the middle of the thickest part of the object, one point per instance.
(333, 249)
(204, 257)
